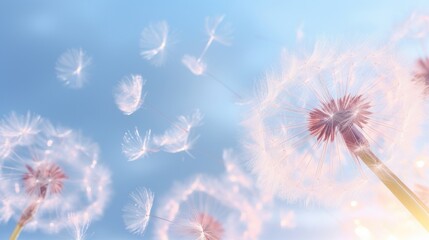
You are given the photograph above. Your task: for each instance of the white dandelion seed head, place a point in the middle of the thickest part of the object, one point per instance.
(135, 147)
(128, 94)
(303, 120)
(71, 68)
(230, 206)
(154, 41)
(218, 31)
(136, 214)
(60, 169)
(196, 66)
(178, 138)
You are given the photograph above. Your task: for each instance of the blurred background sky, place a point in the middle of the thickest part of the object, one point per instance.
(33, 34)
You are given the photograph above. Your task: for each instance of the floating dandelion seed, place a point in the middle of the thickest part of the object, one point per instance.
(50, 175)
(177, 137)
(326, 108)
(71, 67)
(174, 140)
(216, 34)
(196, 66)
(128, 94)
(135, 147)
(137, 213)
(154, 41)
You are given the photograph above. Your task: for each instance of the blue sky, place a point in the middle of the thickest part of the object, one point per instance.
(33, 34)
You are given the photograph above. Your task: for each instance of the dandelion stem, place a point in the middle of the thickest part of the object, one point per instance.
(16, 232)
(410, 200)
(26, 217)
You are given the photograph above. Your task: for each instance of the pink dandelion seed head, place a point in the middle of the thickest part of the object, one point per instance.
(411, 40)
(341, 116)
(229, 207)
(310, 119)
(43, 179)
(204, 226)
(55, 173)
(421, 74)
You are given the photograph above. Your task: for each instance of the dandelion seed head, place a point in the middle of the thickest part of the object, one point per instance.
(136, 214)
(71, 68)
(203, 226)
(45, 178)
(421, 74)
(154, 41)
(341, 116)
(411, 39)
(50, 180)
(208, 208)
(312, 117)
(128, 94)
(196, 66)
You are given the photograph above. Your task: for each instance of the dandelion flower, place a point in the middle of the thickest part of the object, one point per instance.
(128, 94)
(71, 67)
(154, 41)
(49, 176)
(135, 147)
(327, 108)
(137, 212)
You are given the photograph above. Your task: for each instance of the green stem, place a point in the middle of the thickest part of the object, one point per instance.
(410, 200)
